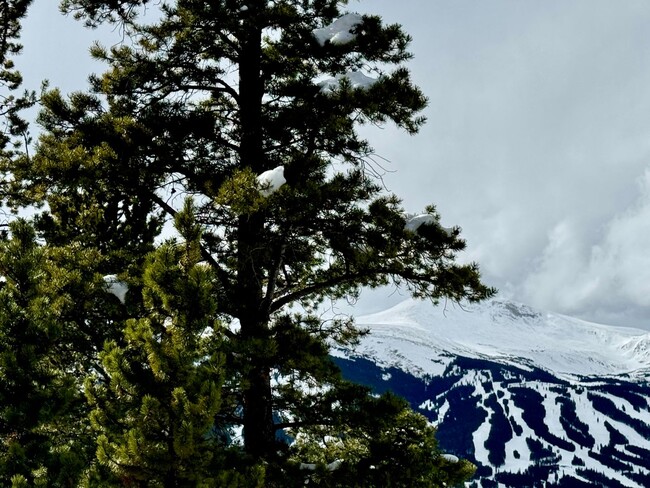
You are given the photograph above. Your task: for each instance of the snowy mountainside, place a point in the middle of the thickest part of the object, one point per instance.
(533, 399)
(503, 332)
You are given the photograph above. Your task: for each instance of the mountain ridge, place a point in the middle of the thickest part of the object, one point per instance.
(504, 331)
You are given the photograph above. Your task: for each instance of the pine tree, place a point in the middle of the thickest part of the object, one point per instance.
(50, 309)
(252, 108)
(159, 418)
(382, 443)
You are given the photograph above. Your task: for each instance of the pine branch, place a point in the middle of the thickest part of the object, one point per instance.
(222, 274)
(298, 424)
(318, 287)
(224, 88)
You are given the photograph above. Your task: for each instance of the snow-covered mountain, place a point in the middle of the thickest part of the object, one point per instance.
(534, 399)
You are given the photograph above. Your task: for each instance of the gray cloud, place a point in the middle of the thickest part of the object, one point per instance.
(608, 278)
(537, 144)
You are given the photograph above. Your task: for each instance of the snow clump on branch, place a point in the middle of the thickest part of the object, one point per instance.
(333, 466)
(116, 286)
(414, 221)
(270, 181)
(356, 79)
(339, 31)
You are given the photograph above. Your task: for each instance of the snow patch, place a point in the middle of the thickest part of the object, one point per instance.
(441, 412)
(414, 221)
(552, 418)
(270, 181)
(116, 286)
(356, 79)
(451, 458)
(427, 405)
(482, 433)
(333, 466)
(340, 31)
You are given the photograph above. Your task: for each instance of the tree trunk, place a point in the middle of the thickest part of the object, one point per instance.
(259, 434)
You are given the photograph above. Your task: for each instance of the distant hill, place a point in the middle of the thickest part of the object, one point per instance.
(533, 399)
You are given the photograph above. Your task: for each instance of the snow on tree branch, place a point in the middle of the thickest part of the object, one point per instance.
(414, 221)
(356, 79)
(333, 466)
(340, 31)
(116, 286)
(270, 181)
(451, 458)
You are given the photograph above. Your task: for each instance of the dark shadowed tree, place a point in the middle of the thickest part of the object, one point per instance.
(12, 127)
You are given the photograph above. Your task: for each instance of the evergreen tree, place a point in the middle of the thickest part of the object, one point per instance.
(252, 107)
(50, 320)
(382, 444)
(159, 418)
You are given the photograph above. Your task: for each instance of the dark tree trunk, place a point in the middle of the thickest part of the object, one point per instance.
(259, 434)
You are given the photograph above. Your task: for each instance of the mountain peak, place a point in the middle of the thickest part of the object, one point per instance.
(503, 331)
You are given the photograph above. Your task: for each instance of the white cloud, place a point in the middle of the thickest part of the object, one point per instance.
(607, 280)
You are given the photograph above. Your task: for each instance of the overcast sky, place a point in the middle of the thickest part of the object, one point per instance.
(537, 142)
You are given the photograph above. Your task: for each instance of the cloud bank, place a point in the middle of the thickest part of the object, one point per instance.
(537, 145)
(608, 279)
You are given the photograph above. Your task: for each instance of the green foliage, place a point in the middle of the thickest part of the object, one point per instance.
(107, 210)
(47, 298)
(12, 126)
(381, 444)
(240, 193)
